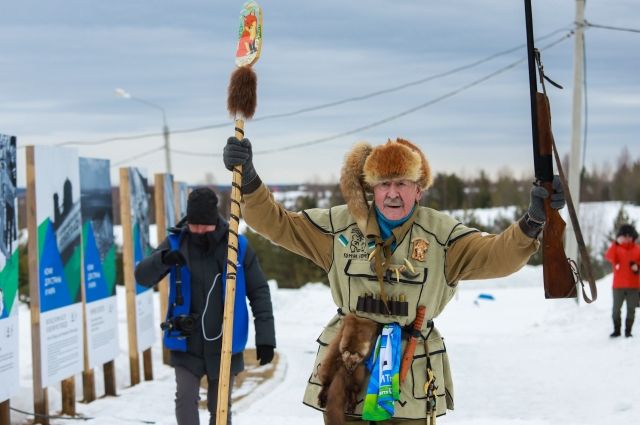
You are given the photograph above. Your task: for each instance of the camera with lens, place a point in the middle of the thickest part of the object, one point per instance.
(184, 323)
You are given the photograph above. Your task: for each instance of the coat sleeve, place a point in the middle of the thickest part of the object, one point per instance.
(610, 255)
(291, 230)
(485, 256)
(150, 270)
(259, 300)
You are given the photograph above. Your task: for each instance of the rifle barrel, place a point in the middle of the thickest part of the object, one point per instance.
(543, 164)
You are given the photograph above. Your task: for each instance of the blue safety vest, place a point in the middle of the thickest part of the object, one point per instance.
(172, 338)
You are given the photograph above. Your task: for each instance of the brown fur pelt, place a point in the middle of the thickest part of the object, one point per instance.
(351, 184)
(242, 93)
(342, 371)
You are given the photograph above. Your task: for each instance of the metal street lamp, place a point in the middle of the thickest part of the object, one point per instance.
(165, 128)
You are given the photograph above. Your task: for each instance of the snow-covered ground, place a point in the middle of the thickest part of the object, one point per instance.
(518, 359)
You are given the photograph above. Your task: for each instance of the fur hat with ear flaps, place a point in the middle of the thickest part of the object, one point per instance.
(366, 166)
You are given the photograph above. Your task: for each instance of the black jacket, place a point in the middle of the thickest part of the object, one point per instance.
(205, 260)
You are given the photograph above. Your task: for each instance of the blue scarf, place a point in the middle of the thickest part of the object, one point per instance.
(387, 226)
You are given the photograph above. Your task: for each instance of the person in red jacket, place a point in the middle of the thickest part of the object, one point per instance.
(624, 255)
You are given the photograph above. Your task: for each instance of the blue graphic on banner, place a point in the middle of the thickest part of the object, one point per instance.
(94, 280)
(54, 291)
(138, 255)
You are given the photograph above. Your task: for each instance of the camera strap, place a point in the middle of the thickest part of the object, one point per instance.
(204, 313)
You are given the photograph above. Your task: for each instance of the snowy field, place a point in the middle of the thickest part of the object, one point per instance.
(518, 359)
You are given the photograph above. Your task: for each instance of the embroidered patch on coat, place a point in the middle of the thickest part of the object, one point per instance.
(419, 251)
(343, 240)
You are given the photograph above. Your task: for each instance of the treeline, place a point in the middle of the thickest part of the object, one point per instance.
(449, 192)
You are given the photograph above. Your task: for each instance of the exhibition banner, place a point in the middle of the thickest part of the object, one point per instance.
(9, 326)
(181, 192)
(139, 216)
(59, 226)
(99, 261)
(169, 204)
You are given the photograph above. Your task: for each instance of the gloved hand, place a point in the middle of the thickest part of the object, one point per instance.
(238, 152)
(539, 194)
(264, 353)
(173, 258)
(535, 217)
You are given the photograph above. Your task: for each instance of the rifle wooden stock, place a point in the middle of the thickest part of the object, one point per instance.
(559, 280)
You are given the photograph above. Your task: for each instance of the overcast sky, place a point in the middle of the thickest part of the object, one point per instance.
(61, 61)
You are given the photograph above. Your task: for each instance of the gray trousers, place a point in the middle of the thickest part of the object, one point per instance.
(621, 295)
(188, 396)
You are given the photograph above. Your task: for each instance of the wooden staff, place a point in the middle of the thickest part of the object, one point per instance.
(241, 103)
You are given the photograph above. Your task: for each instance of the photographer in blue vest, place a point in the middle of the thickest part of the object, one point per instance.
(194, 255)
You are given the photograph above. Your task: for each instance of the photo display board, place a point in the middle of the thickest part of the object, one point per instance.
(169, 204)
(99, 261)
(59, 228)
(181, 192)
(9, 326)
(139, 215)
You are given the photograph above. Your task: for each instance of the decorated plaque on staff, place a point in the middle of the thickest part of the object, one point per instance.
(9, 325)
(55, 226)
(99, 261)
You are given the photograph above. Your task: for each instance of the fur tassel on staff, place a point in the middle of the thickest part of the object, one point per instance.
(242, 94)
(241, 103)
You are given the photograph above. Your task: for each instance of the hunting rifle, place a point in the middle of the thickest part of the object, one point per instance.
(561, 274)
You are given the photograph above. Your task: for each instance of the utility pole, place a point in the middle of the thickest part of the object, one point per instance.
(165, 127)
(167, 150)
(575, 161)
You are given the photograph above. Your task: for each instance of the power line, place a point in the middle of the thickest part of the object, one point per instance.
(390, 118)
(321, 106)
(405, 85)
(609, 27)
(110, 139)
(140, 155)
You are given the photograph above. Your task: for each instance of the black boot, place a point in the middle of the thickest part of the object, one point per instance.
(616, 328)
(628, 326)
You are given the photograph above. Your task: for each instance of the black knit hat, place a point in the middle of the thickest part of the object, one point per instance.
(628, 230)
(202, 206)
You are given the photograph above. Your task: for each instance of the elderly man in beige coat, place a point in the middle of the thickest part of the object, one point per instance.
(386, 256)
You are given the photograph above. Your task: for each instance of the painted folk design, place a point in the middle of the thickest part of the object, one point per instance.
(249, 34)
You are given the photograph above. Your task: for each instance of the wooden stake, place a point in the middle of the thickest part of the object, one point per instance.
(88, 386)
(161, 227)
(5, 416)
(40, 399)
(109, 371)
(147, 365)
(69, 396)
(88, 379)
(129, 278)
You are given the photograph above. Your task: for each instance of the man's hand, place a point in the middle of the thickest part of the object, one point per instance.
(535, 217)
(539, 194)
(173, 258)
(238, 152)
(264, 353)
